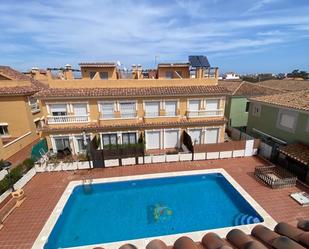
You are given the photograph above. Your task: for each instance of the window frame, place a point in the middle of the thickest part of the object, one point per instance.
(103, 73)
(291, 113)
(5, 134)
(170, 73)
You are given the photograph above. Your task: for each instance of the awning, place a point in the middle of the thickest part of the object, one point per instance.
(298, 152)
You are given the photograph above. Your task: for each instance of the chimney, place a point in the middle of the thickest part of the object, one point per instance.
(49, 74)
(199, 73)
(68, 72)
(136, 71)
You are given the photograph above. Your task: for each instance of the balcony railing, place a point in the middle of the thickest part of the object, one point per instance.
(67, 119)
(205, 113)
(152, 114)
(127, 114)
(34, 107)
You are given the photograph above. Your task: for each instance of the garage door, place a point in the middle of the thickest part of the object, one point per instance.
(195, 135)
(152, 140)
(171, 138)
(211, 136)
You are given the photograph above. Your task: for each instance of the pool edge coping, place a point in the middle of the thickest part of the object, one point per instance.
(168, 239)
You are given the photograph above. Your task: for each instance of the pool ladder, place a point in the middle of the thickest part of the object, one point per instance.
(87, 186)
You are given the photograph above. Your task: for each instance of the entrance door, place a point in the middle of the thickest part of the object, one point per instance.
(211, 136)
(171, 138)
(152, 140)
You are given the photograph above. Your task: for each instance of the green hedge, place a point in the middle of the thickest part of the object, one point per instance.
(15, 174)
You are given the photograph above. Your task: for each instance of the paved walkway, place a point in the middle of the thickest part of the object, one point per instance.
(44, 190)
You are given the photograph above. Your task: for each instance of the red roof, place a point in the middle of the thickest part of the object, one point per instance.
(133, 92)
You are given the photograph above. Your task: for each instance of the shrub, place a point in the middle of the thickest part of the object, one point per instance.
(28, 164)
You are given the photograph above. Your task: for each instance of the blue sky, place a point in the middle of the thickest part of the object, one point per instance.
(245, 36)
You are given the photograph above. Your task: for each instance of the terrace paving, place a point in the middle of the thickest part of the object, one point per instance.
(44, 190)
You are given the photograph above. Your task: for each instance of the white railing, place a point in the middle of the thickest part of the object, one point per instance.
(131, 114)
(205, 113)
(67, 119)
(34, 107)
(107, 115)
(152, 114)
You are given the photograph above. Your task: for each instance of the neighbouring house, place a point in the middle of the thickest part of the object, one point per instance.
(20, 113)
(237, 103)
(280, 119)
(231, 76)
(286, 84)
(123, 110)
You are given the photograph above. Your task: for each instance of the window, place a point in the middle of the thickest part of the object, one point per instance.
(4, 130)
(92, 74)
(129, 138)
(169, 75)
(247, 106)
(287, 120)
(256, 110)
(38, 124)
(170, 108)
(194, 107)
(212, 107)
(58, 109)
(152, 108)
(80, 143)
(80, 112)
(108, 110)
(62, 143)
(34, 105)
(103, 75)
(127, 109)
(109, 139)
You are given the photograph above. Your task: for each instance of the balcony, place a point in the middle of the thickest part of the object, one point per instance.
(118, 115)
(205, 113)
(67, 119)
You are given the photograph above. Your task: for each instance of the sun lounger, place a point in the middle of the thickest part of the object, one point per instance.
(243, 241)
(293, 233)
(213, 241)
(301, 198)
(185, 243)
(156, 244)
(17, 199)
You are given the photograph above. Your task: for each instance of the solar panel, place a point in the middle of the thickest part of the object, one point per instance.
(198, 61)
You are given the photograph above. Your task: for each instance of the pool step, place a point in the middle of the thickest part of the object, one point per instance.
(245, 219)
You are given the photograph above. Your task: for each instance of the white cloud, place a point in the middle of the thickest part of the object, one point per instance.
(136, 31)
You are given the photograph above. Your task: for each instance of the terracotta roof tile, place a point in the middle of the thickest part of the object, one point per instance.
(134, 125)
(286, 85)
(299, 152)
(296, 100)
(247, 89)
(133, 92)
(13, 74)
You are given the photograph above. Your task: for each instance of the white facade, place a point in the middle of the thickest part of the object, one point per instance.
(231, 76)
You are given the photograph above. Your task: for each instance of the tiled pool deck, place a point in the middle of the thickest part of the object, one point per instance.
(44, 190)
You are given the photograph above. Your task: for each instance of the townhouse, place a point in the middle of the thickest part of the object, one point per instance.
(120, 107)
(20, 113)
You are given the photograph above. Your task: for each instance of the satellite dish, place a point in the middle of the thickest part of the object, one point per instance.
(118, 63)
(124, 69)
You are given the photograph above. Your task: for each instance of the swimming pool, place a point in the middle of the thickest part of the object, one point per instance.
(141, 208)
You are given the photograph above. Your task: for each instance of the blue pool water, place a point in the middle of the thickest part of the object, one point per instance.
(119, 211)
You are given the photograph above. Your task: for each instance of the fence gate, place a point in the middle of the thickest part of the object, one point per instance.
(265, 150)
